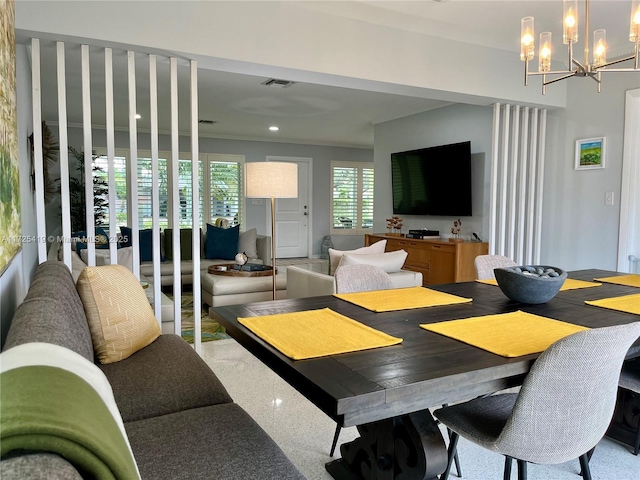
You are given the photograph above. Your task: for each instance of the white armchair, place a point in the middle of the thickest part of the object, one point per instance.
(313, 280)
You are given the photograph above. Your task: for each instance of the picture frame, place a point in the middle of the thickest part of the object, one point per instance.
(590, 153)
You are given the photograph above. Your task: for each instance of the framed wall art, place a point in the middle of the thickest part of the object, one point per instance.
(590, 153)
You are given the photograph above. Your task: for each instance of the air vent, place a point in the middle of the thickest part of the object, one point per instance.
(274, 82)
(207, 122)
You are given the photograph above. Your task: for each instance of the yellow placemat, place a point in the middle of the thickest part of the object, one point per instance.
(628, 280)
(569, 284)
(401, 299)
(626, 303)
(316, 333)
(506, 334)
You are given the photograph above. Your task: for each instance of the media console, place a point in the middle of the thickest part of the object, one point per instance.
(439, 261)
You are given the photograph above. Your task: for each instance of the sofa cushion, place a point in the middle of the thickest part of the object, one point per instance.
(183, 446)
(186, 243)
(389, 262)
(38, 466)
(52, 312)
(167, 371)
(247, 243)
(336, 255)
(119, 315)
(222, 242)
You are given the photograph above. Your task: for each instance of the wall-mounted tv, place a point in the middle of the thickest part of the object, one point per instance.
(432, 181)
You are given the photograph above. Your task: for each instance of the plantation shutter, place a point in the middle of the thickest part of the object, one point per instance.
(226, 182)
(352, 197)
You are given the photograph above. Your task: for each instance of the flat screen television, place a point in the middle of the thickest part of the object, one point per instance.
(432, 181)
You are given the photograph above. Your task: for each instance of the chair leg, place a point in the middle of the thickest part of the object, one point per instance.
(584, 464)
(453, 450)
(455, 457)
(335, 440)
(507, 468)
(522, 470)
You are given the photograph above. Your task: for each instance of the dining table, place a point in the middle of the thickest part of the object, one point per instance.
(387, 392)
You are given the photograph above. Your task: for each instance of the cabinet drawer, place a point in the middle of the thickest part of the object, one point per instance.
(416, 253)
(443, 248)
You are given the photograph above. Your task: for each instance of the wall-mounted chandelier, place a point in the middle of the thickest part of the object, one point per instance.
(591, 69)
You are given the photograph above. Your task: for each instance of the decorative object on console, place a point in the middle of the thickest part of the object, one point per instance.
(455, 231)
(530, 284)
(271, 180)
(598, 62)
(590, 153)
(394, 225)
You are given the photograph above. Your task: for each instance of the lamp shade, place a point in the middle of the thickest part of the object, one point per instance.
(271, 180)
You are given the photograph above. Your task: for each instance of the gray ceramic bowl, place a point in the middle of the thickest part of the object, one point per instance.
(530, 283)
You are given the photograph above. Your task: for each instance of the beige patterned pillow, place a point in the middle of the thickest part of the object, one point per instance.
(120, 318)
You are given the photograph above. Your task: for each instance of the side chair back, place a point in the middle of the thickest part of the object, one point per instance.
(361, 278)
(567, 400)
(486, 263)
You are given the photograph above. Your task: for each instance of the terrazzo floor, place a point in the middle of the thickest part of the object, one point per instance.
(304, 433)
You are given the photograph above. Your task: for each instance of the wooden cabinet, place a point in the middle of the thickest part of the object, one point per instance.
(439, 261)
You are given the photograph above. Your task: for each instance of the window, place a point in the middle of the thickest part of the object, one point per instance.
(352, 197)
(220, 191)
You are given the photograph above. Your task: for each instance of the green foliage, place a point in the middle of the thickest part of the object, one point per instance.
(77, 193)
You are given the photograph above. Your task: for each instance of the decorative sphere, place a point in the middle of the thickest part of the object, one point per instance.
(241, 258)
(530, 283)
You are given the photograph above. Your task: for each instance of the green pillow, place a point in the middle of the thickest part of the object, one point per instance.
(186, 243)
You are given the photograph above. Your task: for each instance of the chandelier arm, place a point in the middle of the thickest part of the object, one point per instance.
(555, 72)
(620, 70)
(620, 60)
(579, 65)
(557, 79)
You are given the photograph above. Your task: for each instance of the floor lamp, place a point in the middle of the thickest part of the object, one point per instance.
(271, 180)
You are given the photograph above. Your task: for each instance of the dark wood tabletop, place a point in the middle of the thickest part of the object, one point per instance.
(427, 369)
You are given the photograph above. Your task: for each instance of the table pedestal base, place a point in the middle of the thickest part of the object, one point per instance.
(401, 448)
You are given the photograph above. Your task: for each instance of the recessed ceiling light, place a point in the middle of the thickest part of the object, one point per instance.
(273, 128)
(138, 116)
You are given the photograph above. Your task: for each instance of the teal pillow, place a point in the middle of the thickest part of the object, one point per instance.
(222, 243)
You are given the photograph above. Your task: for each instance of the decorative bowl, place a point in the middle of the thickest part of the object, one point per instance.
(530, 283)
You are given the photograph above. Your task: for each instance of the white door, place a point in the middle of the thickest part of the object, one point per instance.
(293, 215)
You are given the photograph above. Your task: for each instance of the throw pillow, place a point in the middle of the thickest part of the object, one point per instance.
(120, 318)
(336, 255)
(247, 243)
(125, 232)
(145, 243)
(101, 239)
(222, 243)
(390, 262)
(186, 243)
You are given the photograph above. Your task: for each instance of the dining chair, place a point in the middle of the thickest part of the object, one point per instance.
(361, 278)
(486, 263)
(630, 380)
(563, 409)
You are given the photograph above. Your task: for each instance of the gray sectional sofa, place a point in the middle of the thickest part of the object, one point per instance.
(179, 419)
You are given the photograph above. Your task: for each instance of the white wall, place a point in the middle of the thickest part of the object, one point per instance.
(452, 124)
(15, 280)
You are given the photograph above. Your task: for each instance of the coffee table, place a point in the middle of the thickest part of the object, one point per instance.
(386, 392)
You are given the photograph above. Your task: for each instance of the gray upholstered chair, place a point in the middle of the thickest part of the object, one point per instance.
(630, 380)
(563, 409)
(361, 278)
(486, 263)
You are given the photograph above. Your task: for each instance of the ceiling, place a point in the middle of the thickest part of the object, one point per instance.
(243, 108)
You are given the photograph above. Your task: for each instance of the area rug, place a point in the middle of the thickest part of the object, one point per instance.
(210, 329)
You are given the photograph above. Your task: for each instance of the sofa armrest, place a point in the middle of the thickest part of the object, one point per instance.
(303, 283)
(263, 246)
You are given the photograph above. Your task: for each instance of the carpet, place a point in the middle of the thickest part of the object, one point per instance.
(210, 329)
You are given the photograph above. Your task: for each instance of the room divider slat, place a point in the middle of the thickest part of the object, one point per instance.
(88, 156)
(175, 195)
(108, 84)
(64, 153)
(197, 328)
(132, 170)
(41, 226)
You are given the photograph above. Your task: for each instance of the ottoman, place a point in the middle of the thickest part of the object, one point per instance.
(221, 290)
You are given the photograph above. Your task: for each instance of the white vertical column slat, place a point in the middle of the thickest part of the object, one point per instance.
(64, 154)
(175, 197)
(511, 230)
(155, 189)
(197, 303)
(108, 90)
(522, 189)
(531, 189)
(88, 156)
(493, 190)
(504, 168)
(38, 162)
(540, 186)
(132, 171)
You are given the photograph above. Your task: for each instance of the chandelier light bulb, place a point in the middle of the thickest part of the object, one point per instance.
(527, 42)
(599, 47)
(570, 23)
(634, 32)
(544, 60)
